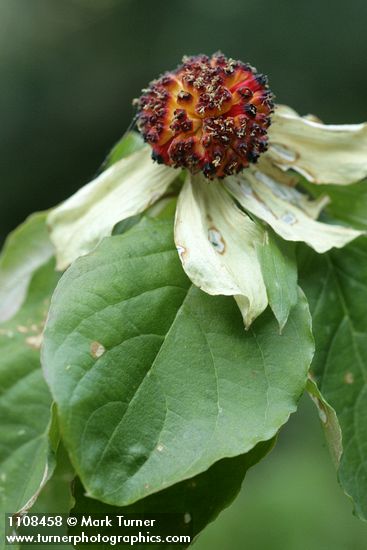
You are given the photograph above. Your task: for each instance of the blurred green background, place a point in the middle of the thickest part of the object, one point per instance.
(69, 71)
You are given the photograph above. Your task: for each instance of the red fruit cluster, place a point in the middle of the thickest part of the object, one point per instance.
(211, 114)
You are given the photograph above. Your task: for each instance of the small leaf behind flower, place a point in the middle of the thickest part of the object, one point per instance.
(279, 270)
(125, 225)
(128, 144)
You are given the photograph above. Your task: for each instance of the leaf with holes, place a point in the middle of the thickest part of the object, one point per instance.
(336, 286)
(155, 380)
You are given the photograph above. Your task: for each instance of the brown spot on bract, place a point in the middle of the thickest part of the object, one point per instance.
(216, 240)
(97, 349)
(22, 329)
(289, 218)
(181, 251)
(348, 378)
(34, 342)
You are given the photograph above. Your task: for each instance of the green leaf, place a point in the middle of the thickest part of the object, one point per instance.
(28, 433)
(336, 286)
(329, 421)
(348, 203)
(126, 224)
(165, 208)
(154, 379)
(279, 270)
(56, 496)
(129, 143)
(25, 250)
(194, 502)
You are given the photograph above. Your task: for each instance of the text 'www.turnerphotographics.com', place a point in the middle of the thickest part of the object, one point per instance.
(132, 529)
